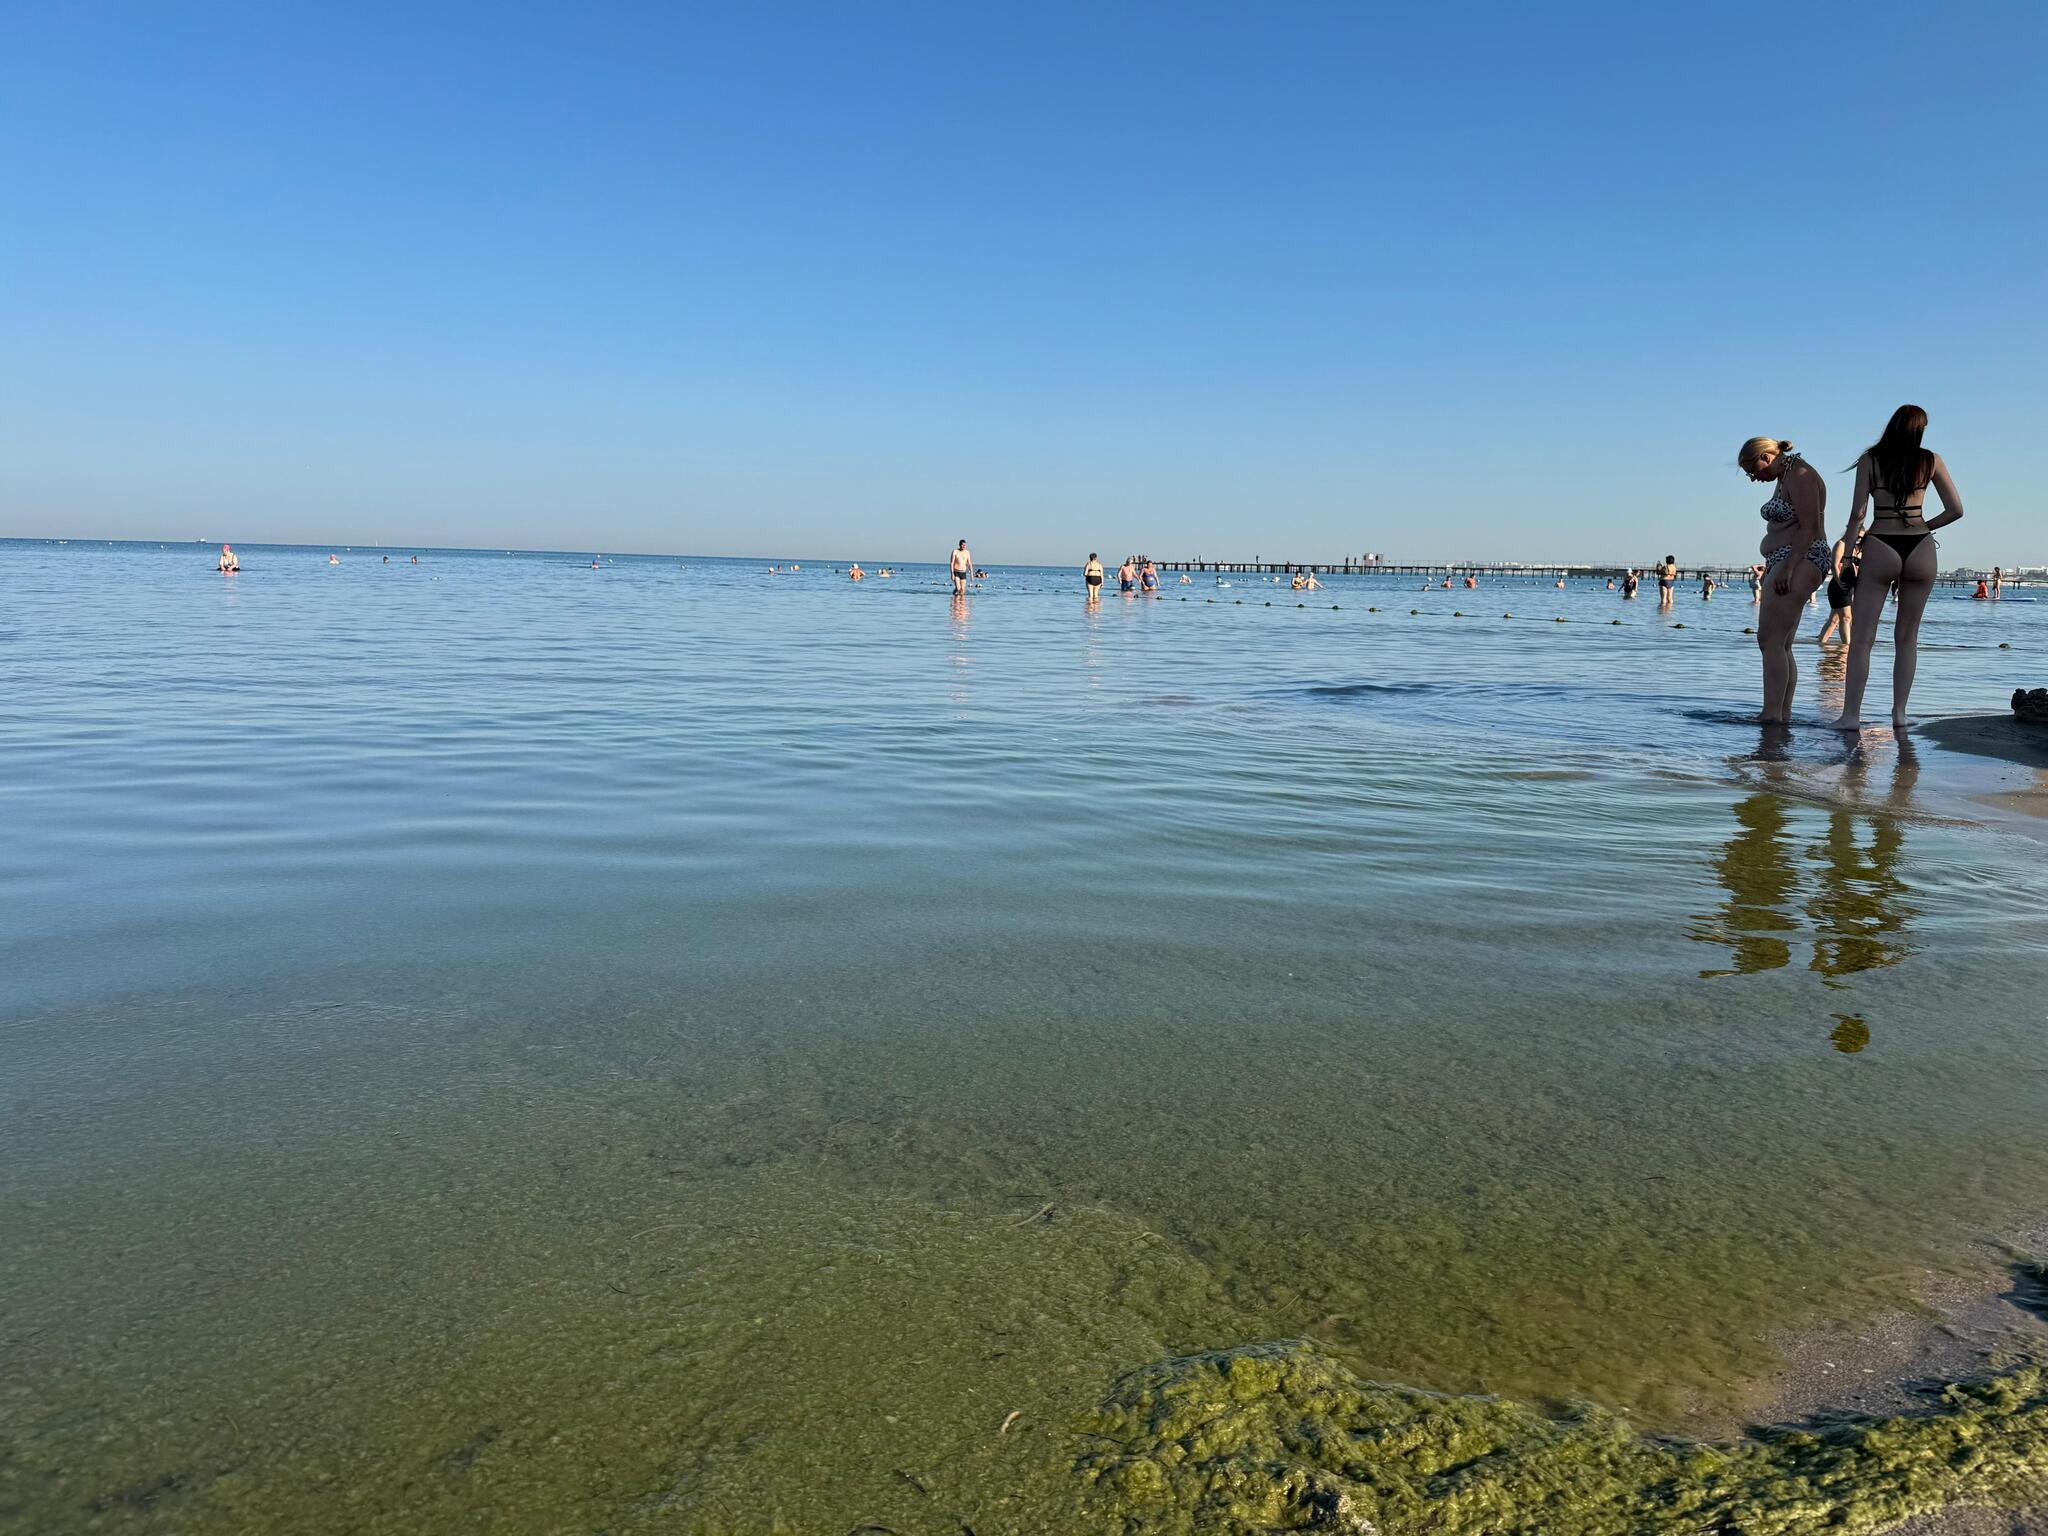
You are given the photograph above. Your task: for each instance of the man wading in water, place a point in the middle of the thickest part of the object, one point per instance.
(963, 567)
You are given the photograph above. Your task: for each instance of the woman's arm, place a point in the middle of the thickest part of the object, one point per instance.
(1858, 499)
(1810, 501)
(1808, 494)
(1951, 501)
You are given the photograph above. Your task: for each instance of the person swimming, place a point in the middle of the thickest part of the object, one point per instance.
(855, 573)
(229, 564)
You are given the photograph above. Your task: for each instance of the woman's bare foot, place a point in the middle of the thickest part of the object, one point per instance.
(1899, 721)
(1846, 723)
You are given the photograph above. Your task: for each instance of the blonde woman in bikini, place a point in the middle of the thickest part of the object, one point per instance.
(1797, 559)
(1893, 476)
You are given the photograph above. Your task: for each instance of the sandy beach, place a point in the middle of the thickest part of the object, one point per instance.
(2003, 739)
(1972, 1319)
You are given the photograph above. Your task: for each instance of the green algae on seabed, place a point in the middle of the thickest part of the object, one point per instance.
(1279, 1437)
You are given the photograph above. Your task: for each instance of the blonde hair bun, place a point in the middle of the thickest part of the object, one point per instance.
(1757, 447)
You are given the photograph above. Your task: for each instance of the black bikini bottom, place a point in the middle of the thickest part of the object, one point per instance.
(1903, 543)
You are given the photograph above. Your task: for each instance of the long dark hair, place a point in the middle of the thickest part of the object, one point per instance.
(1902, 466)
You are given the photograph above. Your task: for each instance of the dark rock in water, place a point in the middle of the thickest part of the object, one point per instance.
(2031, 704)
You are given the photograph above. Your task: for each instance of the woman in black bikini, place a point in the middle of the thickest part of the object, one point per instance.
(1841, 587)
(1893, 476)
(1796, 561)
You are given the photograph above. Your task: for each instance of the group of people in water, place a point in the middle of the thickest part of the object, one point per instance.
(1859, 571)
(1136, 574)
(230, 564)
(1897, 556)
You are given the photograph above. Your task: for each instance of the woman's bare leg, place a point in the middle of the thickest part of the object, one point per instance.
(1777, 622)
(1916, 582)
(1880, 568)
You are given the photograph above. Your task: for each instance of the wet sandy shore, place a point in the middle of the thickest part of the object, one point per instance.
(1989, 1313)
(2005, 739)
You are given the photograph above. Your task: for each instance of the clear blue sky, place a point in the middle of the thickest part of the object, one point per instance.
(856, 279)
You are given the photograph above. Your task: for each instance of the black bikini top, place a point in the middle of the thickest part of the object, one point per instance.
(1899, 509)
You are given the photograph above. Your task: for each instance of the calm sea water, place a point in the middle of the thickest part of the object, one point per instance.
(504, 1045)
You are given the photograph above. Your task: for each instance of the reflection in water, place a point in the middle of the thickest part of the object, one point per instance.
(1756, 868)
(1850, 1033)
(1858, 911)
(962, 662)
(1832, 671)
(1855, 904)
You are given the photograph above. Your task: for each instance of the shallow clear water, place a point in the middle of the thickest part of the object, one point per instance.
(504, 1045)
